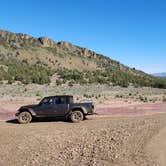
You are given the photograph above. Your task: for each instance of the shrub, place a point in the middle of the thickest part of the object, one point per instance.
(144, 99)
(58, 82)
(37, 94)
(164, 99)
(25, 73)
(70, 83)
(85, 95)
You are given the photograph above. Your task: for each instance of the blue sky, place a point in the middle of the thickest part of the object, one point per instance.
(130, 31)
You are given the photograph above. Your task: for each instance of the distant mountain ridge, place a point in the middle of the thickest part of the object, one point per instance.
(34, 60)
(163, 74)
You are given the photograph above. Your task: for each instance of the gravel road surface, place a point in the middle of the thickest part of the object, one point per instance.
(112, 141)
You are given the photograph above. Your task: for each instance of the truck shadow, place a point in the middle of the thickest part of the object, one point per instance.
(37, 120)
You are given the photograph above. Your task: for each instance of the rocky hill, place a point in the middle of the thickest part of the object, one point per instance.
(34, 60)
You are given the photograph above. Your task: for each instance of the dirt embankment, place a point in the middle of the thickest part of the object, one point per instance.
(97, 141)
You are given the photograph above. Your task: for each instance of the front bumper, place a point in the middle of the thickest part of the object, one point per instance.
(92, 112)
(17, 113)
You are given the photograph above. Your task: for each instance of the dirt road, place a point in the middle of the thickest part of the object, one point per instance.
(117, 141)
(157, 147)
(8, 108)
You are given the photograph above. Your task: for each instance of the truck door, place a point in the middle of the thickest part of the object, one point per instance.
(61, 107)
(46, 107)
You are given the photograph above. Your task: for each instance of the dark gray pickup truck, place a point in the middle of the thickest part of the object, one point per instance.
(56, 106)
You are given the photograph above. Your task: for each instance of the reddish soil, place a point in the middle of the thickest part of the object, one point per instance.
(138, 109)
(6, 114)
(125, 110)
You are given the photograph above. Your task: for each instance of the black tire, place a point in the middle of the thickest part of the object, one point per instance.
(24, 117)
(67, 117)
(85, 118)
(76, 116)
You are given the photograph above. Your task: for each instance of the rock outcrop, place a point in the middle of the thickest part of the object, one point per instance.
(85, 51)
(46, 42)
(17, 39)
(64, 44)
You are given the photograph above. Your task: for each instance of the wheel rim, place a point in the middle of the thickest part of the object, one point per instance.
(77, 116)
(25, 117)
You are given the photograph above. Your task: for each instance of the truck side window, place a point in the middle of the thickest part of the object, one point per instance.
(47, 101)
(60, 100)
(51, 101)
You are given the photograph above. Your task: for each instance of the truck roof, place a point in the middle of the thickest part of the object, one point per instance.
(58, 96)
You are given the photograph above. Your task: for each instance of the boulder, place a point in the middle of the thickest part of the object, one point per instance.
(46, 42)
(65, 44)
(85, 51)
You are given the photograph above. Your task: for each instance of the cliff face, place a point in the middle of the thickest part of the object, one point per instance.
(19, 40)
(46, 42)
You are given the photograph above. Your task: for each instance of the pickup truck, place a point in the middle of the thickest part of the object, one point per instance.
(56, 106)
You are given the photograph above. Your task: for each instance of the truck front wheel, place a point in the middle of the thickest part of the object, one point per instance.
(76, 116)
(24, 117)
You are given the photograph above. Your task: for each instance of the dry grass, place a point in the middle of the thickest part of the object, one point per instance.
(97, 93)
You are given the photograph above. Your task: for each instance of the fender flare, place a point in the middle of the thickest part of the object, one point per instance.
(31, 111)
(79, 108)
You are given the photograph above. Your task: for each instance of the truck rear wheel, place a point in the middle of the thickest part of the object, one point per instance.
(76, 116)
(24, 117)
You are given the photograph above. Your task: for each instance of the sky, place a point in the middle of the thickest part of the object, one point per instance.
(130, 31)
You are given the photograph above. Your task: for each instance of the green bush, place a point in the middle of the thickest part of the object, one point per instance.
(164, 99)
(25, 73)
(111, 76)
(70, 83)
(144, 99)
(58, 82)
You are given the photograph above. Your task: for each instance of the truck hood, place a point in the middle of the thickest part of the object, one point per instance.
(29, 106)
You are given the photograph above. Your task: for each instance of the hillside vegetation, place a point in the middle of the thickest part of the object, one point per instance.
(34, 60)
